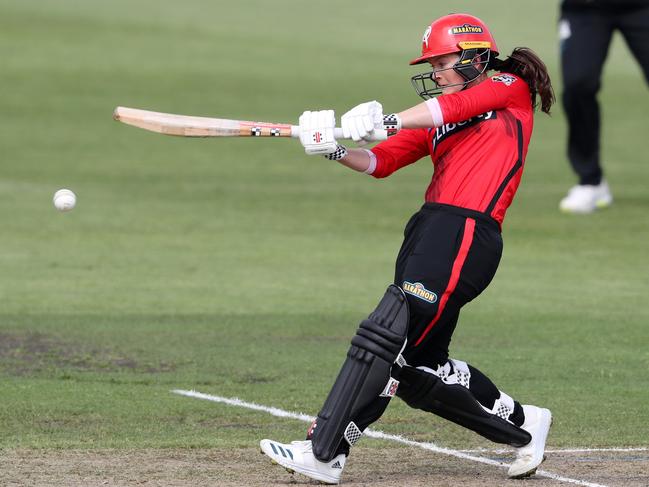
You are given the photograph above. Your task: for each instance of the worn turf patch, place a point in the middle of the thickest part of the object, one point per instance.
(33, 353)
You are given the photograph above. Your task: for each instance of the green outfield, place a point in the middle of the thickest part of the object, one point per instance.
(241, 267)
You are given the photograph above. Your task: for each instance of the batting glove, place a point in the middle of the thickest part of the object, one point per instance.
(317, 132)
(360, 122)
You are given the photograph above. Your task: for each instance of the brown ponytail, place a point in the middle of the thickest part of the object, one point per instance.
(525, 63)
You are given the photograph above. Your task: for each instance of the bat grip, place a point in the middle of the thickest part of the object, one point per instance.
(379, 134)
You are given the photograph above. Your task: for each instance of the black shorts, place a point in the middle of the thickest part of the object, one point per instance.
(448, 257)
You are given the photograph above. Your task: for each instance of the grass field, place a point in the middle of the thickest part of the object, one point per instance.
(242, 267)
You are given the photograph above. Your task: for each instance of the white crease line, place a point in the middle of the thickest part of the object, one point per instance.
(235, 401)
(562, 450)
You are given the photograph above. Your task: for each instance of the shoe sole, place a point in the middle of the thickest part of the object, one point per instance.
(289, 470)
(603, 204)
(531, 472)
(567, 211)
(599, 205)
(293, 471)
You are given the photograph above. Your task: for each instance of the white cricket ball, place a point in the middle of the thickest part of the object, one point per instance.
(64, 200)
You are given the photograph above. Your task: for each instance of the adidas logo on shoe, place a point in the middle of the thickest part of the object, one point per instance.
(337, 465)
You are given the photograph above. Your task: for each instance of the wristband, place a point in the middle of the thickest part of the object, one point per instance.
(392, 124)
(338, 154)
(435, 112)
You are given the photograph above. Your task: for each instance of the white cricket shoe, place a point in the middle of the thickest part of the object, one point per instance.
(529, 457)
(298, 457)
(586, 198)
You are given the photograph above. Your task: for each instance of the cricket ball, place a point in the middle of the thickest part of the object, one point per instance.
(64, 200)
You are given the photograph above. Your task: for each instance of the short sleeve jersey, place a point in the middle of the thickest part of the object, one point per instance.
(478, 150)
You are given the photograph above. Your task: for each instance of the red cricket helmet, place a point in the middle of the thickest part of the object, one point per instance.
(455, 33)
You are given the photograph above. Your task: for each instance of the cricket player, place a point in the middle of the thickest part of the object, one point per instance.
(477, 133)
(586, 28)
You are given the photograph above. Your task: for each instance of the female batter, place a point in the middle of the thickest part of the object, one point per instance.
(477, 133)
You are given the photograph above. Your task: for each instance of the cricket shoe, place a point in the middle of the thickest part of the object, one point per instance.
(529, 457)
(586, 198)
(298, 457)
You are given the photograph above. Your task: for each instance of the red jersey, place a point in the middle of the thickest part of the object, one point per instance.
(478, 146)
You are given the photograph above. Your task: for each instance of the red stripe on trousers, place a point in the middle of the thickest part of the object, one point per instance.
(467, 240)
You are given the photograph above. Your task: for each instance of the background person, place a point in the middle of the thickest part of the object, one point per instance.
(585, 30)
(477, 134)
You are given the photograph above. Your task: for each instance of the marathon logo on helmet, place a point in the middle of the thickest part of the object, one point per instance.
(419, 291)
(466, 29)
(449, 129)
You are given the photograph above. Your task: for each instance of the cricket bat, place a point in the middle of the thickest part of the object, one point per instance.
(189, 126)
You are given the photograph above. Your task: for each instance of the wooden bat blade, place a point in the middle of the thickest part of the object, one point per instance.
(189, 126)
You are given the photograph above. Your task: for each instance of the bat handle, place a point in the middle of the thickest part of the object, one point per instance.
(379, 134)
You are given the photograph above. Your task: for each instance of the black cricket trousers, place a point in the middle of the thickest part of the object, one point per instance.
(585, 29)
(448, 257)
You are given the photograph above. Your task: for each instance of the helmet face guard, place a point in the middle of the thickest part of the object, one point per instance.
(472, 63)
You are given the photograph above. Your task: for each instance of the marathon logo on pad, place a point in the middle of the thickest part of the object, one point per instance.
(419, 291)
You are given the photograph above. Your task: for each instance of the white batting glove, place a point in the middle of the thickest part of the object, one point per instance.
(317, 132)
(359, 122)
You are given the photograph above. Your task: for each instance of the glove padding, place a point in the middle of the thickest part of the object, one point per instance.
(359, 123)
(317, 132)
